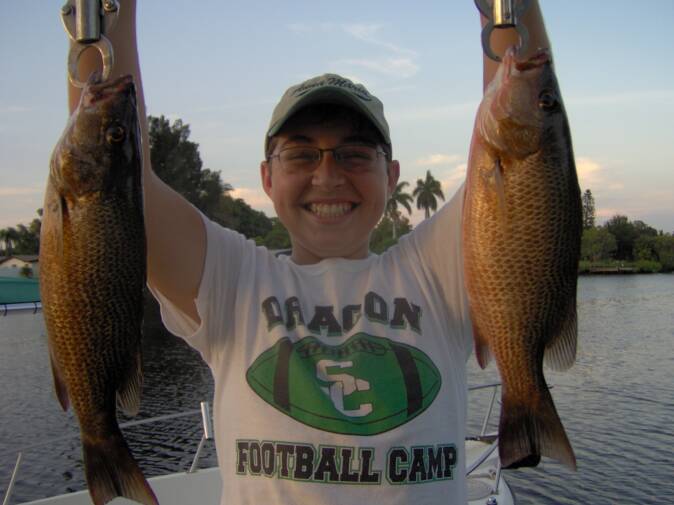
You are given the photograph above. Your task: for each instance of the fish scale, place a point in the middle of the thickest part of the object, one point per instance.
(521, 233)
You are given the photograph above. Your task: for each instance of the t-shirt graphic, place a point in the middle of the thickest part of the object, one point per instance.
(365, 386)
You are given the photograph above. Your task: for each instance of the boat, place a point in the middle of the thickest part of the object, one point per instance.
(19, 295)
(203, 486)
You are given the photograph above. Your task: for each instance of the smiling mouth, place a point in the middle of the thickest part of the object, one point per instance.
(330, 209)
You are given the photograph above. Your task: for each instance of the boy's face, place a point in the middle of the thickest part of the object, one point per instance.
(328, 212)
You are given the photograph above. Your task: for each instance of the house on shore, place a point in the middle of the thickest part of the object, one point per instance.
(12, 266)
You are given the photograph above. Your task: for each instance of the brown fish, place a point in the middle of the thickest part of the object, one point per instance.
(92, 257)
(521, 234)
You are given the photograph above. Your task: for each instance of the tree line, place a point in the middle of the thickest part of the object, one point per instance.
(621, 242)
(176, 160)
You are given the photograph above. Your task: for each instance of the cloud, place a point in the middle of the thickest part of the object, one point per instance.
(20, 191)
(398, 67)
(451, 181)
(437, 159)
(256, 198)
(369, 33)
(465, 110)
(401, 62)
(591, 174)
(608, 212)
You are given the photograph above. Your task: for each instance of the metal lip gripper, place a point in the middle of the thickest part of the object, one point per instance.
(502, 14)
(87, 22)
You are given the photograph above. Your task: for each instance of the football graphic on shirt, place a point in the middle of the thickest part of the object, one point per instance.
(364, 386)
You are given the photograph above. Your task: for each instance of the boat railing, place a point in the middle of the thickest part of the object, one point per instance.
(207, 424)
(208, 434)
(493, 446)
(8, 309)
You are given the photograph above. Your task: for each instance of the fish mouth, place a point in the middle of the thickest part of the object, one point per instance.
(540, 58)
(96, 91)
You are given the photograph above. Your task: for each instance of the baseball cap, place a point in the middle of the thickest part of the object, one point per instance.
(328, 88)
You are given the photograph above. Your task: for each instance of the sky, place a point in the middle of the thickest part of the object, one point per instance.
(221, 66)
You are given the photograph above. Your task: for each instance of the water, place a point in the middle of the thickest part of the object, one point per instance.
(617, 404)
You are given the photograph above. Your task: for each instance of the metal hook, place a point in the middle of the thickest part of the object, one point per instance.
(104, 48)
(502, 14)
(86, 22)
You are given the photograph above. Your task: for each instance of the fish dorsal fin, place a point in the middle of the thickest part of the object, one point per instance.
(560, 352)
(128, 394)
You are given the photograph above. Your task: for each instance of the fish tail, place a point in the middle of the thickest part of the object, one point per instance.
(111, 471)
(531, 429)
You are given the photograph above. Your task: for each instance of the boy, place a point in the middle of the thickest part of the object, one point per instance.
(339, 375)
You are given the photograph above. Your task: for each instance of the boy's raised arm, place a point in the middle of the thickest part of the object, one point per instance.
(176, 239)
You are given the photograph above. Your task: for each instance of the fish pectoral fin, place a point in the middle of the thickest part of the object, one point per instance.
(128, 394)
(560, 352)
(499, 186)
(52, 221)
(482, 352)
(59, 384)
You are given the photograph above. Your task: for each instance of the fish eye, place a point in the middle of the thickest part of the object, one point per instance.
(115, 134)
(547, 100)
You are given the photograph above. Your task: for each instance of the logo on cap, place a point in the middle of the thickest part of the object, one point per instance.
(356, 89)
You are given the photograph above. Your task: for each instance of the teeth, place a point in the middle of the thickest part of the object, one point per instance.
(330, 209)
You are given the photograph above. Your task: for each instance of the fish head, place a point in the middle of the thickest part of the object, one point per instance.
(97, 151)
(521, 106)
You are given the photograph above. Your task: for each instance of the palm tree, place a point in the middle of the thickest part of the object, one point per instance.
(427, 193)
(9, 236)
(398, 197)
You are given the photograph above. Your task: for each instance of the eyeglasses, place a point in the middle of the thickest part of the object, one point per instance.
(353, 158)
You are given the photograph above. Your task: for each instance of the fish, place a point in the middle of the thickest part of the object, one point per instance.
(521, 233)
(93, 271)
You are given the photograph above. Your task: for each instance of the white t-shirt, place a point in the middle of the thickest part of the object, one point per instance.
(341, 382)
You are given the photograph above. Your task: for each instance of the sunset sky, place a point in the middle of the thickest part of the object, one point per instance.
(222, 66)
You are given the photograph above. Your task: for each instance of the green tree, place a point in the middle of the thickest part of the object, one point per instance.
(26, 271)
(398, 198)
(236, 214)
(597, 244)
(277, 237)
(9, 236)
(664, 249)
(382, 238)
(176, 160)
(644, 248)
(427, 193)
(642, 228)
(26, 242)
(588, 209)
(625, 234)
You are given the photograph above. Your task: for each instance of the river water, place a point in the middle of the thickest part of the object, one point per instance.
(616, 403)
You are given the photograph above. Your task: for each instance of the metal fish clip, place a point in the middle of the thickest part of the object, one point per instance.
(87, 22)
(502, 14)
